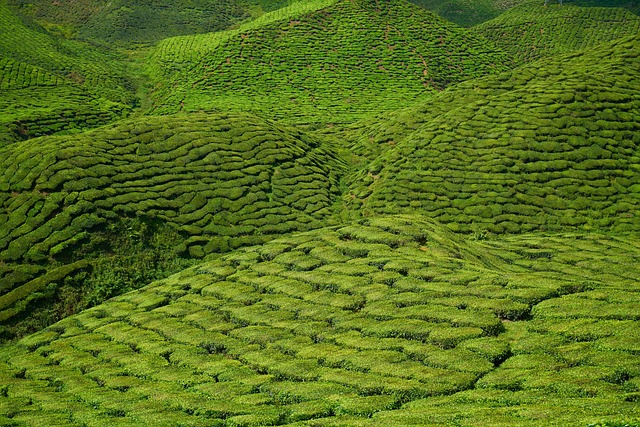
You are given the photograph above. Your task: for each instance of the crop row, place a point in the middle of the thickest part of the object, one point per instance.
(44, 78)
(39, 111)
(73, 61)
(409, 317)
(17, 75)
(175, 50)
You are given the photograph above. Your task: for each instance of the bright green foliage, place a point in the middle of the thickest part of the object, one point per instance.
(49, 85)
(548, 146)
(532, 30)
(388, 320)
(226, 344)
(196, 185)
(319, 62)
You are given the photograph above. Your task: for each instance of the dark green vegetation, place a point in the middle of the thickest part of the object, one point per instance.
(211, 182)
(126, 21)
(472, 12)
(379, 120)
(468, 12)
(544, 147)
(394, 318)
(50, 85)
(318, 62)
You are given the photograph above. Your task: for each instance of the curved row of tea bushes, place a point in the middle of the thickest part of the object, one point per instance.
(218, 181)
(18, 75)
(339, 63)
(545, 147)
(532, 30)
(389, 321)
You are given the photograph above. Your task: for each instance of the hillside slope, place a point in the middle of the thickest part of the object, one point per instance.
(127, 22)
(320, 62)
(49, 85)
(473, 12)
(393, 321)
(548, 146)
(532, 30)
(132, 199)
(467, 13)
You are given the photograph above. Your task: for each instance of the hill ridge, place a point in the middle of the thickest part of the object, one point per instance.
(531, 30)
(520, 108)
(401, 51)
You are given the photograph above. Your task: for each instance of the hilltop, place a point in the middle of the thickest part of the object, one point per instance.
(133, 201)
(319, 62)
(390, 321)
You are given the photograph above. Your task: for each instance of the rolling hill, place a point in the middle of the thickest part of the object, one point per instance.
(319, 62)
(126, 22)
(544, 147)
(532, 30)
(332, 213)
(468, 13)
(129, 201)
(390, 321)
(50, 85)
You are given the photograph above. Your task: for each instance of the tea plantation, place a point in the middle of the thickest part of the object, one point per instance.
(469, 13)
(544, 147)
(532, 30)
(318, 62)
(392, 321)
(49, 85)
(185, 185)
(123, 22)
(319, 213)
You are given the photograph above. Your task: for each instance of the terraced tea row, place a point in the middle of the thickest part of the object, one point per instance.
(219, 181)
(390, 321)
(532, 31)
(18, 75)
(545, 147)
(339, 62)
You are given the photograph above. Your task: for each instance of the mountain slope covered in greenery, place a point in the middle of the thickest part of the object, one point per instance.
(49, 85)
(143, 194)
(333, 213)
(469, 13)
(532, 30)
(319, 62)
(391, 321)
(544, 147)
(124, 22)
